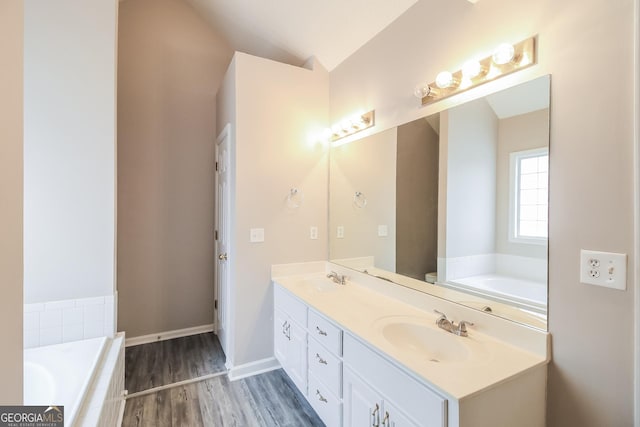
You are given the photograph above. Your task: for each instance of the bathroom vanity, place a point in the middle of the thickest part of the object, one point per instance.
(368, 353)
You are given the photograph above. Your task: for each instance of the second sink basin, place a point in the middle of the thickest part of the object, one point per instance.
(422, 339)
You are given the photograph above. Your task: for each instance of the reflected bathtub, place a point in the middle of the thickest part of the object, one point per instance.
(524, 293)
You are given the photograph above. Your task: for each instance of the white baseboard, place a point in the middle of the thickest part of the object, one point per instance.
(121, 413)
(254, 368)
(167, 335)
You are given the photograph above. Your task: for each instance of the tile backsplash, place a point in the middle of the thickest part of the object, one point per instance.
(56, 322)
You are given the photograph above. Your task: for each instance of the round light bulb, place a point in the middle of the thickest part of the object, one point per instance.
(336, 129)
(358, 122)
(346, 126)
(326, 134)
(503, 54)
(444, 80)
(471, 69)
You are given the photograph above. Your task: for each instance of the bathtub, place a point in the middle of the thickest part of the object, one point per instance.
(67, 375)
(527, 294)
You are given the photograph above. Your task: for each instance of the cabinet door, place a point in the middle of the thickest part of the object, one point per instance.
(280, 337)
(297, 356)
(392, 416)
(362, 405)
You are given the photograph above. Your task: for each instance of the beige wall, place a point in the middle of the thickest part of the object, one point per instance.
(277, 108)
(11, 102)
(69, 149)
(368, 166)
(417, 199)
(591, 375)
(170, 65)
(517, 133)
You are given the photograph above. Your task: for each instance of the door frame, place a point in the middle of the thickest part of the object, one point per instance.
(226, 133)
(636, 216)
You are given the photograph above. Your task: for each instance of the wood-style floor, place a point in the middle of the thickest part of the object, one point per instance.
(166, 362)
(268, 399)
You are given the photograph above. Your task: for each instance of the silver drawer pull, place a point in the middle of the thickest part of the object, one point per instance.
(385, 421)
(320, 331)
(376, 417)
(320, 396)
(320, 359)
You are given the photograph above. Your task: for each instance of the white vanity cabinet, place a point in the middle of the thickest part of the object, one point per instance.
(325, 368)
(330, 342)
(290, 337)
(381, 394)
(364, 406)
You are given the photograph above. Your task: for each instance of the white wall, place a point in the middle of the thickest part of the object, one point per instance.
(579, 42)
(369, 166)
(470, 186)
(277, 108)
(69, 149)
(11, 102)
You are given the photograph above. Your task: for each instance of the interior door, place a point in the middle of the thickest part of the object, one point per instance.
(223, 167)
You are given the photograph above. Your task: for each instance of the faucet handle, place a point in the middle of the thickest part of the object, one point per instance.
(462, 327)
(442, 315)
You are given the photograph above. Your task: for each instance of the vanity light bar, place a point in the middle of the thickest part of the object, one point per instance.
(351, 126)
(504, 60)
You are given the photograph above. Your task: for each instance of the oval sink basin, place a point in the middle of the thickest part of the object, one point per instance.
(418, 338)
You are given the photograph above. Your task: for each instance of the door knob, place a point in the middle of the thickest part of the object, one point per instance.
(222, 257)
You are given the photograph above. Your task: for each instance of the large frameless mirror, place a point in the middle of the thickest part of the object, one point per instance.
(454, 204)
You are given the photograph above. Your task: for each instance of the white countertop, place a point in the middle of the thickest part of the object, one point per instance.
(358, 310)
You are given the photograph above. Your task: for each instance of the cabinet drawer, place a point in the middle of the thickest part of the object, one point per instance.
(325, 403)
(414, 398)
(325, 366)
(289, 304)
(328, 334)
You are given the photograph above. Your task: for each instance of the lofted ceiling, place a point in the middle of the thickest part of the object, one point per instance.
(292, 31)
(521, 99)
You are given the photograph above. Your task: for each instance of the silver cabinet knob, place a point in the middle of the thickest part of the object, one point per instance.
(223, 257)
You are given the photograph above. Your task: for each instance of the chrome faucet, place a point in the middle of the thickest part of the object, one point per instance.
(340, 279)
(460, 329)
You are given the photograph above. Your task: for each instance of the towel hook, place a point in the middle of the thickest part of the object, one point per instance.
(294, 198)
(359, 200)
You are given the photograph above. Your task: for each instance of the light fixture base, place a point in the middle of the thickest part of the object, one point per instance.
(358, 124)
(524, 57)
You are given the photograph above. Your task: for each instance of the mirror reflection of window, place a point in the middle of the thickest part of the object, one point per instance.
(530, 195)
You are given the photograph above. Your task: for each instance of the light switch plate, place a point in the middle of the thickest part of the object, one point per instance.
(256, 235)
(313, 232)
(383, 231)
(606, 269)
(340, 232)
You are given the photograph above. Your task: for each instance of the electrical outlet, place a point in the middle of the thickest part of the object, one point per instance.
(340, 232)
(603, 269)
(383, 231)
(313, 233)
